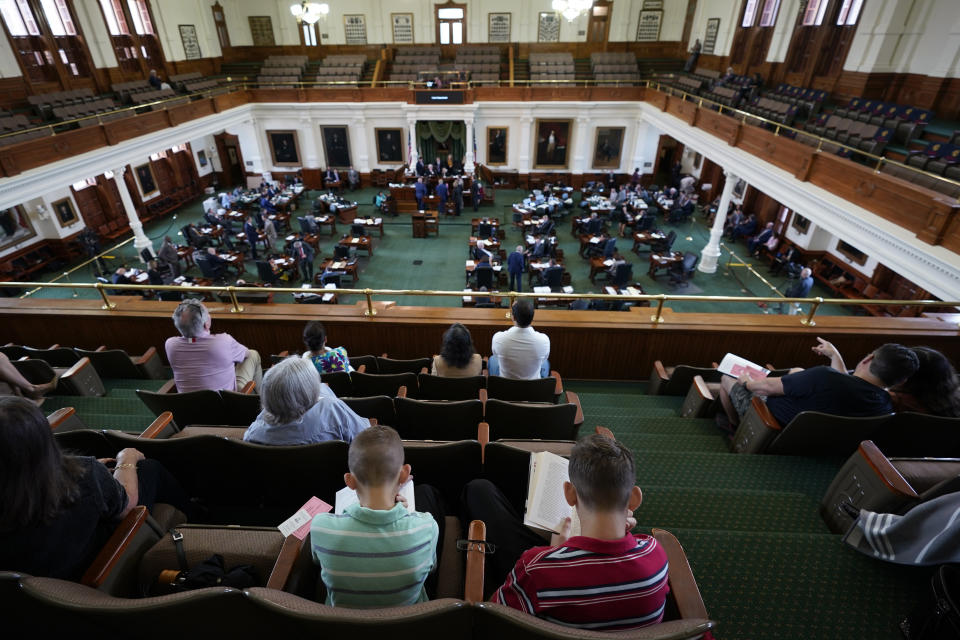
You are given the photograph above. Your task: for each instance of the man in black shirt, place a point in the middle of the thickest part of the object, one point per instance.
(825, 389)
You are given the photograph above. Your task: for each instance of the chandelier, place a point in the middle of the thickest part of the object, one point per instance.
(572, 9)
(309, 12)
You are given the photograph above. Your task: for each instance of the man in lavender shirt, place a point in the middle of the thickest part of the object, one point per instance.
(202, 360)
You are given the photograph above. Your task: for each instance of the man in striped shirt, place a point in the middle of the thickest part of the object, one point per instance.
(602, 579)
(376, 553)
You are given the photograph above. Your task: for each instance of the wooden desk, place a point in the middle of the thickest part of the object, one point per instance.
(326, 221)
(419, 221)
(347, 215)
(283, 266)
(646, 238)
(498, 272)
(371, 223)
(490, 244)
(659, 261)
(494, 223)
(347, 266)
(597, 265)
(586, 241)
(185, 253)
(360, 244)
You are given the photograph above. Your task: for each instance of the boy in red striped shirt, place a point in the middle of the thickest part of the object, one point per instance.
(605, 579)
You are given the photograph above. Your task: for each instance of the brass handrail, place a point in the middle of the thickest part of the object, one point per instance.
(371, 311)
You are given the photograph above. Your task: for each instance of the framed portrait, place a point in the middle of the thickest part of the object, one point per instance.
(852, 254)
(389, 146)
(552, 144)
(607, 147)
(648, 27)
(498, 27)
(336, 146)
(801, 224)
(261, 31)
(284, 150)
(548, 27)
(710, 36)
(739, 189)
(64, 211)
(191, 45)
(148, 183)
(355, 28)
(202, 158)
(497, 145)
(15, 226)
(402, 24)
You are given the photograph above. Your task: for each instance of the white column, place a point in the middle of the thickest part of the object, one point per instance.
(140, 239)
(524, 164)
(711, 253)
(309, 144)
(412, 143)
(580, 161)
(359, 143)
(468, 157)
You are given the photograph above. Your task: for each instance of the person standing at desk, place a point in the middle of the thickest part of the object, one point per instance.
(515, 266)
(476, 194)
(420, 191)
(253, 236)
(303, 253)
(442, 192)
(458, 196)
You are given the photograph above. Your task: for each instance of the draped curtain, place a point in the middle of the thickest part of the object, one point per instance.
(432, 132)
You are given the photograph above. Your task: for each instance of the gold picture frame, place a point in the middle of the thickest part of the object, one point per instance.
(552, 143)
(389, 145)
(608, 147)
(65, 213)
(284, 148)
(498, 139)
(148, 182)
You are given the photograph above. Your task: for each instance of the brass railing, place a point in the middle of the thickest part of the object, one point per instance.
(371, 311)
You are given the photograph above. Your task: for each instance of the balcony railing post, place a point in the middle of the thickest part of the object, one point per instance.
(808, 321)
(513, 300)
(370, 312)
(236, 308)
(657, 318)
(106, 301)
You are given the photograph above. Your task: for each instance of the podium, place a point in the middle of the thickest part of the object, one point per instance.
(419, 219)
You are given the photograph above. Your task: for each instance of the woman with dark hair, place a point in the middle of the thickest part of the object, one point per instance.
(56, 510)
(457, 358)
(933, 389)
(325, 359)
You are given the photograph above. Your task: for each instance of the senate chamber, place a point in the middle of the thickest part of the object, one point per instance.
(714, 241)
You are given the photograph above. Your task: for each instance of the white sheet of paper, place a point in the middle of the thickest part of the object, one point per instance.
(347, 497)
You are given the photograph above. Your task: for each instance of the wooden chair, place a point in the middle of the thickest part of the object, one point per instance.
(80, 379)
(438, 420)
(675, 381)
(116, 363)
(444, 388)
(870, 480)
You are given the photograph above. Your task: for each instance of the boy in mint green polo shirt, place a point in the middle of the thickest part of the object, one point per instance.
(376, 553)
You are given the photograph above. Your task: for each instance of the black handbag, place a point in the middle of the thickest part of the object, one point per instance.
(210, 573)
(938, 616)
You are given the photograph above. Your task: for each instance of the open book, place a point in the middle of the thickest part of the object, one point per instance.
(546, 505)
(347, 497)
(736, 366)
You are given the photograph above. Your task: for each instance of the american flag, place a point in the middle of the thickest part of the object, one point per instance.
(409, 150)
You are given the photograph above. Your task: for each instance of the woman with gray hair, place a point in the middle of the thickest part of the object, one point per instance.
(299, 409)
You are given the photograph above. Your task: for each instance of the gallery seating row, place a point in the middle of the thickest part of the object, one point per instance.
(194, 82)
(18, 128)
(771, 109)
(108, 363)
(810, 101)
(862, 136)
(724, 95)
(44, 103)
(105, 107)
(272, 62)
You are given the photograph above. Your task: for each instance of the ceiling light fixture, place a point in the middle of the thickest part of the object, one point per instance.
(309, 12)
(572, 9)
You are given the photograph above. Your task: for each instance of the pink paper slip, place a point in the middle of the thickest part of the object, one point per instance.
(299, 523)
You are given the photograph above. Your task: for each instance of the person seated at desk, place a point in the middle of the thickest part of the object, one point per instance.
(594, 225)
(744, 229)
(539, 248)
(297, 408)
(458, 358)
(734, 219)
(216, 264)
(120, 277)
(432, 171)
(547, 275)
(420, 169)
(759, 240)
(453, 167)
(616, 260)
(545, 226)
(266, 206)
(609, 247)
(331, 176)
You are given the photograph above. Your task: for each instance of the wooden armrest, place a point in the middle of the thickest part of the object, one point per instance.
(683, 585)
(111, 552)
(482, 395)
(59, 416)
(373, 422)
(158, 425)
(473, 582)
(147, 355)
(103, 347)
(361, 369)
(885, 470)
(249, 387)
(483, 435)
(603, 431)
(402, 392)
(54, 346)
(764, 414)
(168, 387)
(573, 398)
(282, 568)
(81, 363)
(558, 388)
(770, 366)
(702, 388)
(714, 365)
(284, 353)
(424, 370)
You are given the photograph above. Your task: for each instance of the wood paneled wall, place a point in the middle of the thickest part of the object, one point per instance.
(584, 344)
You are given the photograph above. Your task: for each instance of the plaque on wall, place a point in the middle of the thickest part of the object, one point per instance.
(648, 27)
(402, 28)
(355, 28)
(710, 36)
(261, 29)
(653, 4)
(548, 29)
(498, 27)
(191, 46)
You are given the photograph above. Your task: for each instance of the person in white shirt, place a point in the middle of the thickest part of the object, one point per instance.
(520, 352)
